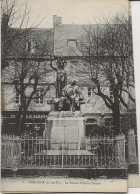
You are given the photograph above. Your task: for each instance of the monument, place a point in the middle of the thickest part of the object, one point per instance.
(61, 79)
(66, 124)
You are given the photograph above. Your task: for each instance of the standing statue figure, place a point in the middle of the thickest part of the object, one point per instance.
(61, 80)
(71, 97)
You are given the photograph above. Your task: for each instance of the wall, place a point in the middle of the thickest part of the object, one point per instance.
(9, 102)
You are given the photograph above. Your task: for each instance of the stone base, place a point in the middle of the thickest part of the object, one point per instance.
(65, 129)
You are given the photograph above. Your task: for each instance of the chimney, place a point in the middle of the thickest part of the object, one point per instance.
(5, 20)
(56, 21)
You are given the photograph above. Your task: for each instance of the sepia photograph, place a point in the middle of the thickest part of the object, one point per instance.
(68, 108)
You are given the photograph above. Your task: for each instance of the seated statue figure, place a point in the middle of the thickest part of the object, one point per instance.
(71, 97)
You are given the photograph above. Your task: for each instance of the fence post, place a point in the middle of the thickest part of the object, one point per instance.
(62, 154)
(120, 149)
(132, 156)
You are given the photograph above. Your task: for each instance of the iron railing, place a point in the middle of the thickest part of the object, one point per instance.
(33, 151)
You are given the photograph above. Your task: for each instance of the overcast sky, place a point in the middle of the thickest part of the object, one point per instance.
(74, 11)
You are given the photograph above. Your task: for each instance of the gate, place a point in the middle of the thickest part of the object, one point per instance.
(37, 152)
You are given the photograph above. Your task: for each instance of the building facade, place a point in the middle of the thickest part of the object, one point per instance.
(40, 46)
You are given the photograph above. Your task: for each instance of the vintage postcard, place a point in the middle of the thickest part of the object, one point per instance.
(68, 96)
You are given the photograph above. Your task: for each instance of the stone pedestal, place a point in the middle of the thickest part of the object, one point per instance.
(65, 129)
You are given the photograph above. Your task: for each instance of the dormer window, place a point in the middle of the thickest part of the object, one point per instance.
(29, 46)
(72, 43)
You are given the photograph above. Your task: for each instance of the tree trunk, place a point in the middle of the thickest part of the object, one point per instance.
(20, 121)
(116, 118)
(23, 119)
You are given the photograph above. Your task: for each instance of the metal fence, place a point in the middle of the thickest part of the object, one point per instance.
(132, 147)
(37, 152)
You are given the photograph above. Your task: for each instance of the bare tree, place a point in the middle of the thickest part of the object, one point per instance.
(28, 70)
(13, 14)
(126, 24)
(25, 57)
(105, 56)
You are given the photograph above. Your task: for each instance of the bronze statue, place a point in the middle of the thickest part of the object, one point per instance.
(69, 94)
(61, 63)
(71, 97)
(61, 80)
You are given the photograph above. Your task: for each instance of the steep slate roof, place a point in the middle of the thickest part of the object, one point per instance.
(62, 34)
(65, 32)
(42, 37)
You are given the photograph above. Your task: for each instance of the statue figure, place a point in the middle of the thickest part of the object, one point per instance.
(71, 97)
(61, 79)
(69, 94)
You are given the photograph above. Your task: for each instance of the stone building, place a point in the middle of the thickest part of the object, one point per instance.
(61, 41)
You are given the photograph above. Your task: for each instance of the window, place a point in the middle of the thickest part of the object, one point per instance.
(91, 121)
(111, 95)
(29, 46)
(17, 96)
(39, 96)
(89, 92)
(109, 123)
(72, 43)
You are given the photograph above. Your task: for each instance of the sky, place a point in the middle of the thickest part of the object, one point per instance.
(74, 11)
